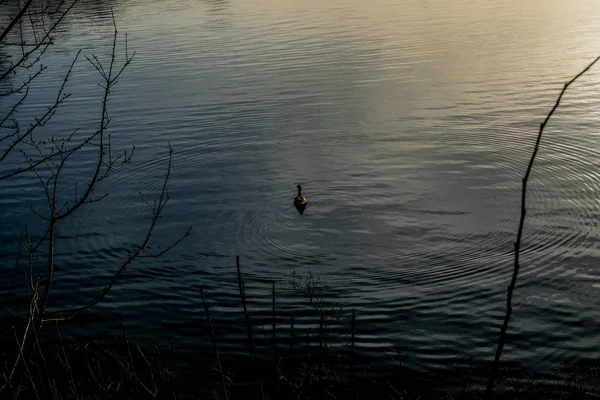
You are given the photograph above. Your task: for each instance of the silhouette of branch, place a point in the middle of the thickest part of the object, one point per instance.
(41, 45)
(46, 159)
(108, 84)
(39, 121)
(59, 315)
(214, 344)
(169, 247)
(517, 244)
(15, 20)
(26, 83)
(11, 112)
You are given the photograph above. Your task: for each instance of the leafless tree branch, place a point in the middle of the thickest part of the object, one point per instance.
(42, 44)
(46, 159)
(517, 244)
(15, 20)
(157, 210)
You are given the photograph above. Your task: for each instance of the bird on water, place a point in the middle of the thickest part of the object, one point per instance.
(300, 201)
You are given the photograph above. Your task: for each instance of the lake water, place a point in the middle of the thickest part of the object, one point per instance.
(409, 125)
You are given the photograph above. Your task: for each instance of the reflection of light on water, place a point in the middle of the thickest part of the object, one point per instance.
(411, 151)
(555, 298)
(587, 276)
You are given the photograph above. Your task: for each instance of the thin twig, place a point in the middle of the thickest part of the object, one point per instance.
(214, 343)
(43, 44)
(59, 314)
(352, 332)
(15, 20)
(517, 244)
(251, 345)
(72, 384)
(274, 341)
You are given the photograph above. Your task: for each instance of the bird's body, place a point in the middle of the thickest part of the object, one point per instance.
(300, 201)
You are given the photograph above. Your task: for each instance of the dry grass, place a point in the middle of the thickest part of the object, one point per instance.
(316, 364)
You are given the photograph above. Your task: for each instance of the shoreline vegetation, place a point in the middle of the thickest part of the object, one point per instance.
(282, 362)
(323, 362)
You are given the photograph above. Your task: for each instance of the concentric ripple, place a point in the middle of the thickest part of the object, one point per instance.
(410, 128)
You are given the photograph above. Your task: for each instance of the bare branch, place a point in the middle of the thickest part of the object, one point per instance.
(48, 157)
(26, 83)
(517, 244)
(11, 112)
(38, 122)
(14, 274)
(44, 42)
(44, 185)
(156, 214)
(98, 65)
(15, 20)
(169, 247)
(103, 121)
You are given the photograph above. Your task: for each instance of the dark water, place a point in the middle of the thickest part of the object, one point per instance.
(409, 125)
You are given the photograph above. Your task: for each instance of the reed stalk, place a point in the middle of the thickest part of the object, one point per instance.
(214, 344)
(352, 331)
(251, 344)
(321, 355)
(275, 385)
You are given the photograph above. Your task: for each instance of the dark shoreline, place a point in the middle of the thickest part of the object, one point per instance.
(120, 368)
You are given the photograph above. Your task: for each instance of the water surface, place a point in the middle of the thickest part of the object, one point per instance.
(409, 125)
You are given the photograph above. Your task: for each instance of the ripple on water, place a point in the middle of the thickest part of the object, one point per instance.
(411, 157)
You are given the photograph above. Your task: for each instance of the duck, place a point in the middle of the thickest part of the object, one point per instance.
(300, 201)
